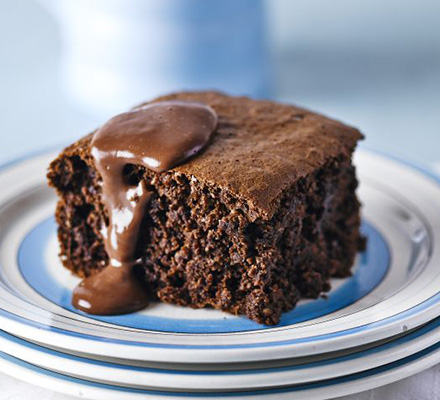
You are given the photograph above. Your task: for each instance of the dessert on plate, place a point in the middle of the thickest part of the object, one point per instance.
(207, 200)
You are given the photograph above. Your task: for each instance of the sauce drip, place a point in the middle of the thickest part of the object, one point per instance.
(158, 136)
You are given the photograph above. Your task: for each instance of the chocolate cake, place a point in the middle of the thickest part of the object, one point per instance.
(254, 211)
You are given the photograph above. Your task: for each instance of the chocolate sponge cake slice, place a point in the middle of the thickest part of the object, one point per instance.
(264, 215)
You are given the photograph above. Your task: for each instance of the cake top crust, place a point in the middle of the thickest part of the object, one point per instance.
(260, 148)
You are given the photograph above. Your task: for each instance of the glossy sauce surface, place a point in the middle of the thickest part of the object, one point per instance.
(158, 136)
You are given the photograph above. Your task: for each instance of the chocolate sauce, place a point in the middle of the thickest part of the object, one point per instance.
(158, 136)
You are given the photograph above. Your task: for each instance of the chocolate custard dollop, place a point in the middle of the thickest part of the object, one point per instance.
(157, 136)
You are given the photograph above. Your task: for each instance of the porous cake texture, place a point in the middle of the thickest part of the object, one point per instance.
(265, 215)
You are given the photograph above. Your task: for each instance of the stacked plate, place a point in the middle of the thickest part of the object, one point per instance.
(378, 326)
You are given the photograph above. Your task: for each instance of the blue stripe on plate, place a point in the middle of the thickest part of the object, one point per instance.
(297, 388)
(369, 272)
(404, 340)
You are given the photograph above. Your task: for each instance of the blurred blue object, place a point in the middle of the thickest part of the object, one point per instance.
(374, 64)
(120, 52)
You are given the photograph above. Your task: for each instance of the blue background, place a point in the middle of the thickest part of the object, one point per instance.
(374, 64)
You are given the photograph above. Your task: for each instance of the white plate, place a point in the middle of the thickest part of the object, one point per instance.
(271, 375)
(395, 286)
(346, 385)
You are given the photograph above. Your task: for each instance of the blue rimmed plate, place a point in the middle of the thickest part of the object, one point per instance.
(344, 385)
(251, 376)
(395, 285)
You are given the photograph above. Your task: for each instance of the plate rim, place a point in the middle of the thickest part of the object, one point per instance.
(377, 356)
(344, 385)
